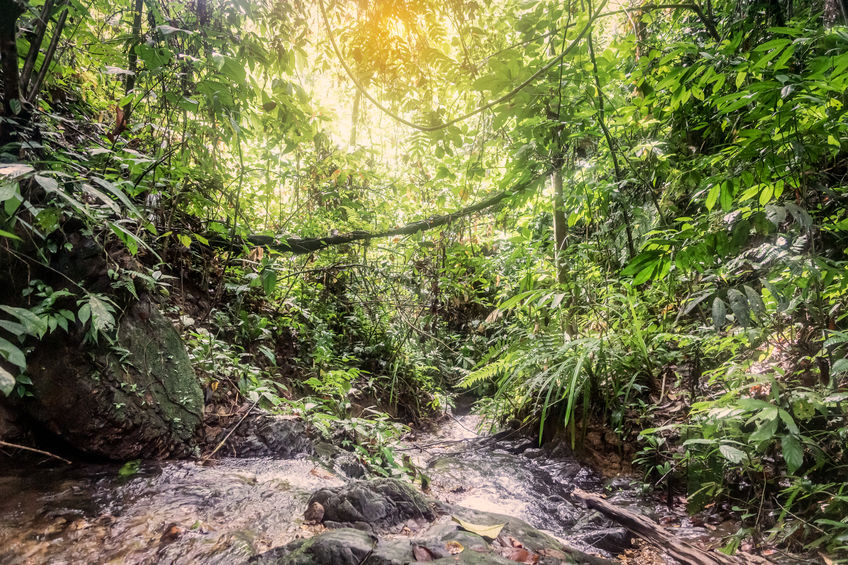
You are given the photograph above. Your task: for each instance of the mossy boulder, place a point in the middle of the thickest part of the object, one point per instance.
(137, 397)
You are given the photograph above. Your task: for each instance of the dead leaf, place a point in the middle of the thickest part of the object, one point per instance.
(490, 532)
(521, 555)
(421, 553)
(454, 547)
(321, 473)
(514, 542)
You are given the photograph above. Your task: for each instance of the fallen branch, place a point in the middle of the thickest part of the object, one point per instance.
(656, 534)
(226, 437)
(34, 450)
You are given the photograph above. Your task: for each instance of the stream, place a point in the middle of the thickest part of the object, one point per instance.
(184, 512)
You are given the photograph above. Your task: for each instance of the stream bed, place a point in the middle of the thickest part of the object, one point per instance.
(183, 512)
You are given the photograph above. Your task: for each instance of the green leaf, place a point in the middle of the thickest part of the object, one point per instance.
(119, 194)
(269, 281)
(47, 183)
(84, 313)
(129, 239)
(101, 314)
(8, 190)
(755, 301)
(712, 196)
(766, 194)
(14, 170)
(726, 197)
(765, 432)
(839, 366)
(739, 306)
(7, 382)
(788, 421)
(184, 239)
(731, 453)
(12, 353)
(793, 454)
(32, 323)
(719, 313)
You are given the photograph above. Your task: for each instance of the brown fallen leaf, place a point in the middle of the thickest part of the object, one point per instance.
(172, 532)
(521, 555)
(514, 542)
(421, 553)
(321, 473)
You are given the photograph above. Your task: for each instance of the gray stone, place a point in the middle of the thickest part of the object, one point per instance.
(266, 435)
(380, 503)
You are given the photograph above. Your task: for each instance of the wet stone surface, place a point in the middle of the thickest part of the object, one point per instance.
(234, 510)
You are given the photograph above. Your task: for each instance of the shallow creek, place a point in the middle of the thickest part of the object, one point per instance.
(183, 512)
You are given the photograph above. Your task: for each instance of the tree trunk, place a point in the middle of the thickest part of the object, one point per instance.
(35, 44)
(48, 57)
(559, 226)
(354, 118)
(11, 10)
(835, 12)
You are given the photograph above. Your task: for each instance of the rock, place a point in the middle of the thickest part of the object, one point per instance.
(314, 513)
(335, 547)
(443, 541)
(265, 435)
(378, 504)
(613, 540)
(343, 462)
(138, 397)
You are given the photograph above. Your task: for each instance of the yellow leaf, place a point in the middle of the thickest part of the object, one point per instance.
(454, 547)
(490, 532)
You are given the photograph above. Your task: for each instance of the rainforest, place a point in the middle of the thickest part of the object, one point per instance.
(352, 282)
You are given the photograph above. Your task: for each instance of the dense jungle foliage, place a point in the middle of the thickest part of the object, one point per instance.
(619, 225)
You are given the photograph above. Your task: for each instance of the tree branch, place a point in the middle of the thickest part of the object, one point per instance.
(300, 246)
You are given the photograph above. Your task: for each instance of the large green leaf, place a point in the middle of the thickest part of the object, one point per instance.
(7, 382)
(793, 454)
(32, 323)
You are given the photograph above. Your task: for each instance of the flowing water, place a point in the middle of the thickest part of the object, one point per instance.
(183, 512)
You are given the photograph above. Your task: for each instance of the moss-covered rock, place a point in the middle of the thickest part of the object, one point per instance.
(138, 397)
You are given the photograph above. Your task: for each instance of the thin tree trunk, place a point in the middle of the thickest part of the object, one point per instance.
(122, 115)
(559, 225)
(619, 176)
(835, 12)
(11, 10)
(48, 57)
(355, 118)
(35, 44)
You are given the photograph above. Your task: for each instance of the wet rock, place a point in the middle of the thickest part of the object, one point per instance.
(336, 547)
(612, 540)
(339, 460)
(443, 541)
(266, 435)
(137, 397)
(376, 504)
(314, 513)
